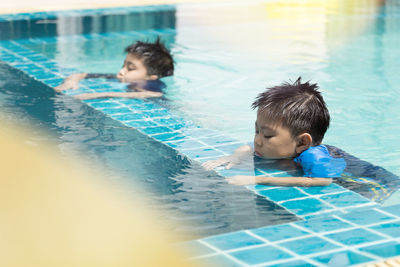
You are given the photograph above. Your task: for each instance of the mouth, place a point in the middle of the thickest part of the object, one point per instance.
(257, 153)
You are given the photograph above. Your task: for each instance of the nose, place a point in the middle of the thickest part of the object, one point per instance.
(121, 72)
(258, 140)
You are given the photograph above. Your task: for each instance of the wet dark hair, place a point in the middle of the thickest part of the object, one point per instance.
(156, 57)
(298, 106)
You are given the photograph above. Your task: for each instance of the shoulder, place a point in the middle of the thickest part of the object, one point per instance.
(149, 85)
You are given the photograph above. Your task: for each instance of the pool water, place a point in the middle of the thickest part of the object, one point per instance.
(225, 53)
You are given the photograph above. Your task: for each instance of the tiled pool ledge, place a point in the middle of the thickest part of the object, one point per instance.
(335, 240)
(331, 229)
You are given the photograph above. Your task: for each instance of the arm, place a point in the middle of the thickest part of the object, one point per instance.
(71, 82)
(231, 160)
(144, 94)
(279, 181)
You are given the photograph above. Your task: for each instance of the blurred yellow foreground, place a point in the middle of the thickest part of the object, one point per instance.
(53, 213)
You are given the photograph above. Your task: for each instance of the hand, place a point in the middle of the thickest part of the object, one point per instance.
(71, 82)
(146, 94)
(89, 96)
(241, 180)
(229, 160)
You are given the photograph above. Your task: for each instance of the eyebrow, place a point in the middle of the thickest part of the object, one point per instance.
(265, 127)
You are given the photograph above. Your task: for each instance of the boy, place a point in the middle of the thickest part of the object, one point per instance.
(291, 122)
(144, 65)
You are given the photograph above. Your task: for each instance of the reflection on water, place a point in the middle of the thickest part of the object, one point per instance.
(201, 202)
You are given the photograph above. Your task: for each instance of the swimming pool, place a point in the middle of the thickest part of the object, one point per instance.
(223, 61)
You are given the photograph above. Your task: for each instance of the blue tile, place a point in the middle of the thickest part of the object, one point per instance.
(342, 258)
(323, 224)
(366, 217)
(169, 137)
(111, 111)
(279, 232)
(318, 190)
(395, 209)
(284, 193)
(156, 130)
(139, 124)
(229, 148)
(200, 132)
(218, 140)
(100, 105)
(390, 229)
(321, 215)
(156, 113)
(385, 250)
(346, 199)
(233, 241)
(185, 144)
(169, 121)
(294, 263)
(201, 153)
(309, 245)
(260, 255)
(354, 237)
(130, 116)
(53, 82)
(305, 206)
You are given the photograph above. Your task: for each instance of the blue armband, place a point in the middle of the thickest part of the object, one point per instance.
(317, 162)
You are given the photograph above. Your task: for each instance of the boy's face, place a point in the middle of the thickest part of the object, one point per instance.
(134, 70)
(273, 141)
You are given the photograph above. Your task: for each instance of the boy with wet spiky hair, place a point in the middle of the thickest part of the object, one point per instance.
(291, 122)
(144, 65)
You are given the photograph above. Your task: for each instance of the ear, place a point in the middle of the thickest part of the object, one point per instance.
(304, 141)
(153, 77)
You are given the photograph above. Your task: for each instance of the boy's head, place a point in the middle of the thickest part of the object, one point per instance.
(146, 61)
(290, 119)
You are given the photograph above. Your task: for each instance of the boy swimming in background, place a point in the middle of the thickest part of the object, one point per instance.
(291, 122)
(144, 65)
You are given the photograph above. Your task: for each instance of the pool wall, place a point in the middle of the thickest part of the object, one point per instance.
(339, 226)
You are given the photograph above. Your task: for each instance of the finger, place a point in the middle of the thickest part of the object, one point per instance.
(212, 165)
(231, 181)
(230, 165)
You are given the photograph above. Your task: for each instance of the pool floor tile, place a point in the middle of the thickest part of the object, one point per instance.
(279, 232)
(295, 263)
(232, 241)
(354, 237)
(260, 255)
(318, 190)
(280, 194)
(305, 206)
(395, 209)
(384, 250)
(323, 224)
(390, 229)
(343, 258)
(346, 199)
(309, 245)
(366, 217)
